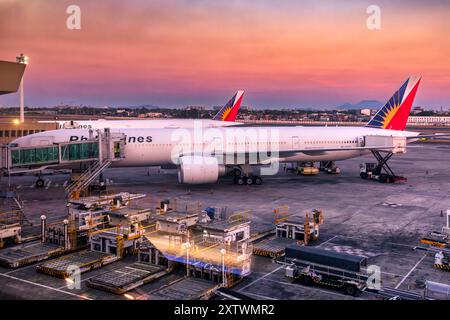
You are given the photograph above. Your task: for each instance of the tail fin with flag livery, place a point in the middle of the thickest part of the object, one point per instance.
(394, 114)
(230, 110)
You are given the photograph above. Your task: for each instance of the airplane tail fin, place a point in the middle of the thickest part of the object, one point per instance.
(230, 110)
(394, 114)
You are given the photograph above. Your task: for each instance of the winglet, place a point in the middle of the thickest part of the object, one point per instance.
(394, 114)
(230, 110)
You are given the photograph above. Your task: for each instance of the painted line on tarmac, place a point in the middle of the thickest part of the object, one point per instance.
(20, 269)
(259, 296)
(410, 271)
(329, 240)
(60, 288)
(260, 278)
(44, 286)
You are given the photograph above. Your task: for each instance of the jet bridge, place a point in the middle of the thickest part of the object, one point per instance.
(102, 147)
(99, 151)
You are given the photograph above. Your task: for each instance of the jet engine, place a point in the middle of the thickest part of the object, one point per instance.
(199, 169)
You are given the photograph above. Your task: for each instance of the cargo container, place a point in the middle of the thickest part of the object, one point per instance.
(326, 257)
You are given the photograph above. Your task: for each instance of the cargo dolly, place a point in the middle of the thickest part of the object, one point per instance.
(83, 260)
(127, 278)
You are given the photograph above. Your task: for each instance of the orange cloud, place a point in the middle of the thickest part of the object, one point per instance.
(175, 52)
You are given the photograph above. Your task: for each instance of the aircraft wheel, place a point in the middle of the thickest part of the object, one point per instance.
(39, 183)
(249, 180)
(258, 181)
(240, 181)
(306, 280)
(351, 290)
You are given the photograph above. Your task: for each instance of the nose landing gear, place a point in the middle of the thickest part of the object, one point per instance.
(39, 183)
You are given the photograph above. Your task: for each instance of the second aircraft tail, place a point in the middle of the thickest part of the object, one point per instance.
(230, 110)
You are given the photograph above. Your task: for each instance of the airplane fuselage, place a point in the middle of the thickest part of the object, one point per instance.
(145, 124)
(150, 147)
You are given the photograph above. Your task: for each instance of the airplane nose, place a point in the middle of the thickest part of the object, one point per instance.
(19, 142)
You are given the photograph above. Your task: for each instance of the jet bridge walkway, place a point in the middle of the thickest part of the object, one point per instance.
(98, 151)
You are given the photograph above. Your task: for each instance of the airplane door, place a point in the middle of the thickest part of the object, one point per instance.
(361, 141)
(70, 125)
(217, 145)
(218, 149)
(295, 142)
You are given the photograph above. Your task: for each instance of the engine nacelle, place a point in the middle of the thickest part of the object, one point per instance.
(198, 170)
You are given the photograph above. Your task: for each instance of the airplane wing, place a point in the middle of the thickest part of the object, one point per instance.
(319, 151)
(430, 136)
(268, 155)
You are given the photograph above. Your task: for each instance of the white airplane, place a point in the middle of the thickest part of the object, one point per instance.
(203, 155)
(224, 118)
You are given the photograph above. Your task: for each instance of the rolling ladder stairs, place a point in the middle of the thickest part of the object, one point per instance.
(88, 176)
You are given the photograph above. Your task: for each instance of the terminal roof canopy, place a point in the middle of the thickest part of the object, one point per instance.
(10, 75)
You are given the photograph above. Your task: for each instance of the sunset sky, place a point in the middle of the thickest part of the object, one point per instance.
(178, 53)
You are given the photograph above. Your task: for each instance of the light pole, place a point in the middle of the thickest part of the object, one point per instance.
(24, 60)
(223, 252)
(187, 245)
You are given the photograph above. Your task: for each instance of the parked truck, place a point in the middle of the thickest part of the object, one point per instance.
(373, 171)
(315, 266)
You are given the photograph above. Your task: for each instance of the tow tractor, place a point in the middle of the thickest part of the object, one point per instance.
(442, 261)
(305, 169)
(374, 171)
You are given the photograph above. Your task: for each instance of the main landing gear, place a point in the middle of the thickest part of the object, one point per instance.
(374, 171)
(39, 183)
(249, 180)
(243, 175)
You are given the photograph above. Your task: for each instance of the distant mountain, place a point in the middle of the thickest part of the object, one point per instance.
(371, 104)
